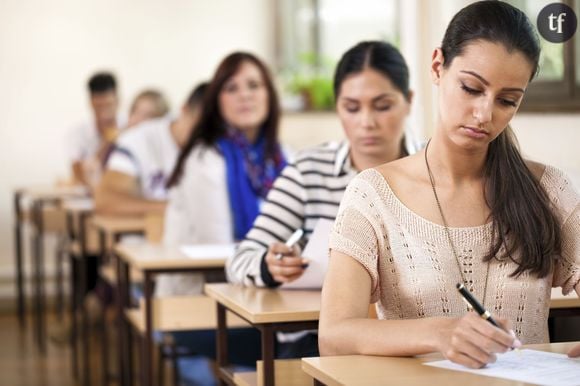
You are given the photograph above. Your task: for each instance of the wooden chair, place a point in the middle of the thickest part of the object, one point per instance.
(180, 313)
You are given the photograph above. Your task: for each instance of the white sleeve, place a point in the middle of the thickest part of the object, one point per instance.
(123, 161)
(177, 227)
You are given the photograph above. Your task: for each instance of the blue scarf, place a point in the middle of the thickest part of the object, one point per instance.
(250, 176)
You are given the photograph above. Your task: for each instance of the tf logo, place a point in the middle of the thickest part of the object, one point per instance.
(557, 22)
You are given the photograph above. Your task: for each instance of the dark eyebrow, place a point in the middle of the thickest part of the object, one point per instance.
(485, 82)
(378, 97)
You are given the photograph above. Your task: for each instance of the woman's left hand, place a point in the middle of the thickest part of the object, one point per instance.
(574, 351)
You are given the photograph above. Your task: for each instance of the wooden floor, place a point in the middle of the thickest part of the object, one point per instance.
(21, 364)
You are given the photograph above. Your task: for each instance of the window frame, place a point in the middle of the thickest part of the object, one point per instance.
(557, 95)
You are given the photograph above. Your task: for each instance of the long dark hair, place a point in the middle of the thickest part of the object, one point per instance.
(211, 125)
(380, 56)
(520, 207)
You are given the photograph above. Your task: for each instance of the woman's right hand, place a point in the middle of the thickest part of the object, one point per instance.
(473, 342)
(290, 267)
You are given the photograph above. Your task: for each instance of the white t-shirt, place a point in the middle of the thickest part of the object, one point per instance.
(198, 212)
(83, 140)
(147, 152)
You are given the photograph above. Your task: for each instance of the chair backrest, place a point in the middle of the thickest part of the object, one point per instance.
(53, 219)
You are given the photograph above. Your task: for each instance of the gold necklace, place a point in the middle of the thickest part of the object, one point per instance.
(448, 232)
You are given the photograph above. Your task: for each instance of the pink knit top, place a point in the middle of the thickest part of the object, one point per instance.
(413, 271)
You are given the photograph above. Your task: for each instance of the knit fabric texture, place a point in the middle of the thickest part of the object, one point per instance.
(413, 270)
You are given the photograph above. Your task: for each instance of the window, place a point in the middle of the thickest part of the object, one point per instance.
(311, 37)
(557, 87)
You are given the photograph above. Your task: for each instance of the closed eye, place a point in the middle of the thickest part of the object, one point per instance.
(469, 90)
(383, 107)
(507, 102)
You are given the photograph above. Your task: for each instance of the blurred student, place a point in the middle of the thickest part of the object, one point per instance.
(135, 177)
(373, 100)
(468, 209)
(223, 174)
(228, 164)
(87, 142)
(147, 104)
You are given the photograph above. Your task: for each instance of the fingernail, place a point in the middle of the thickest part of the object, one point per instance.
(517, 343)
(305, 261)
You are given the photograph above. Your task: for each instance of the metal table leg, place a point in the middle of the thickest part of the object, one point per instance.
(20, 291)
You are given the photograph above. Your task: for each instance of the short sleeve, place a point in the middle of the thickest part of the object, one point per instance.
(123, 161)
(354, 234)
(567, 272)
(566, 205)
(128, 153)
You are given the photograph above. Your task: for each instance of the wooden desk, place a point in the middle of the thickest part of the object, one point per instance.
(361, 370)
(151, 259)
(180, 313)
(39, 197)
(112, 228)
(561, 302)
(268, 310)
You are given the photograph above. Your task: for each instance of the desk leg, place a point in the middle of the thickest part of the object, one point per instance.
(147, 361)
(19, 261)
(74, 288)
(124, 343)
(60, 251)
(268, 347)
(84, 286)
(221, 342)
(39, 321)
(104, 335)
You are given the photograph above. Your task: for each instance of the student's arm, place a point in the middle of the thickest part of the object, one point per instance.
(119, 194)
(345, 330)
(77, 173)
(353, 282)
(76, 148)
(254, 262)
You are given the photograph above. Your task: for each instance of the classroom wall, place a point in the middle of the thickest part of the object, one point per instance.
(48, 49)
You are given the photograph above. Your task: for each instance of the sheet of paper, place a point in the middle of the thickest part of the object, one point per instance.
(317, 252)
(209, 251)
(537, 367)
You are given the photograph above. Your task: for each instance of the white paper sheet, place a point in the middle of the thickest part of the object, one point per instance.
(209, 251)
(537, 367)
(317, 252)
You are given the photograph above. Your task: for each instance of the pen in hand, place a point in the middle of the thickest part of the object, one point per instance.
(474, 304)
(296, 236)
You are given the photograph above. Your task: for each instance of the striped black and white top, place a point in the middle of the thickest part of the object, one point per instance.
(307, 190)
